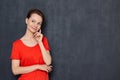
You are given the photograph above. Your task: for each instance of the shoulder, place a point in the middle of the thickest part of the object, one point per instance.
(16, 42)
(44, 38)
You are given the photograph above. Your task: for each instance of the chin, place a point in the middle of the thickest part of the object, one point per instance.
(34, 31)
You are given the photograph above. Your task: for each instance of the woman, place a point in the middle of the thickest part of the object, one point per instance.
(30, 54)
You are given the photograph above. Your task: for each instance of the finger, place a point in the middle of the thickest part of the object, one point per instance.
(47, 70)
(36, 35)
(50, 66)
(50, 69)
(39, 31)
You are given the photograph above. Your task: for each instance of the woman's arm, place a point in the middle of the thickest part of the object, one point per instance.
(17, 69)
(46, 54)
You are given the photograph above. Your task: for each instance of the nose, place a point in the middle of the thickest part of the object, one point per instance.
(35, 24)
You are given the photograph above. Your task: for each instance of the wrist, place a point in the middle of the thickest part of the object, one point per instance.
(40, 42)
(36, 66)
(41, 66)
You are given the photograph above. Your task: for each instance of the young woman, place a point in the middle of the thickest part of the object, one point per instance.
(30, 54)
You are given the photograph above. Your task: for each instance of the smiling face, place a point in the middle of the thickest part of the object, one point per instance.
(34, 22)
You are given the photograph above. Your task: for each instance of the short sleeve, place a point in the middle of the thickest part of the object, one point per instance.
(45, 43)
(15, 53)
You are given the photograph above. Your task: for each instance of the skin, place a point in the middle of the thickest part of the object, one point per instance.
(32, 37)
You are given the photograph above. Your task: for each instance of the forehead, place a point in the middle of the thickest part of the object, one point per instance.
(36, 16)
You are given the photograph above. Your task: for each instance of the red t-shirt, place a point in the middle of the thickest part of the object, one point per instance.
(30, 56)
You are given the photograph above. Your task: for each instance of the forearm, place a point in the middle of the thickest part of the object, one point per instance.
(46, 54)
(22, 70)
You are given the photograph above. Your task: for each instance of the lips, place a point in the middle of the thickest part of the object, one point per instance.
(34, 28)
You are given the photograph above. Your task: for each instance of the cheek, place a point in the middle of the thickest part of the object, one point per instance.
(39, 27)
(28, 23)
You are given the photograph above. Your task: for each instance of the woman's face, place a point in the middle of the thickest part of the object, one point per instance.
(34, 23)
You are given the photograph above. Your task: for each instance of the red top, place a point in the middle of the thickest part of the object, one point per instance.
(30, 56)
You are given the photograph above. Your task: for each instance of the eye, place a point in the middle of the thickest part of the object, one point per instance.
(33, 20)
(40, 24)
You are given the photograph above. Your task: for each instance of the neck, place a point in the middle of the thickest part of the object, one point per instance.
(28, 35)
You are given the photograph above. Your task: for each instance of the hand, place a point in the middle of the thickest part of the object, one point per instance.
(38, 36)
(45, 68)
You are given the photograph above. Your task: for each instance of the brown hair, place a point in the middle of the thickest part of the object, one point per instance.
(36, 11)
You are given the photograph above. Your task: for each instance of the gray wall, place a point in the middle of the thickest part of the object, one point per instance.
(83, 35)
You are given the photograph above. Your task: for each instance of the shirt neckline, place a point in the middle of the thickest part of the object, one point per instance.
(27, 45)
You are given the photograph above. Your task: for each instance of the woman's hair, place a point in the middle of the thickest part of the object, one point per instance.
(36, 11)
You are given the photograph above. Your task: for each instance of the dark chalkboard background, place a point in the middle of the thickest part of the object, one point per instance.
(84, 36)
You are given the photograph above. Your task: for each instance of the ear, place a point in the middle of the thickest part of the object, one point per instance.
(26, 20)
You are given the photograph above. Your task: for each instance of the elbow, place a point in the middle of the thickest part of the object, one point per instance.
(49, 62)
(14, 72)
